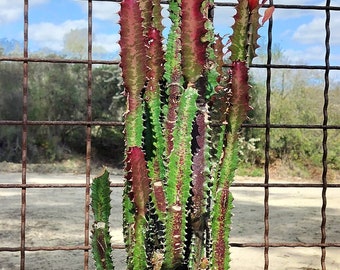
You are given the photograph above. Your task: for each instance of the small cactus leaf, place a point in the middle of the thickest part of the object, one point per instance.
(100, 197)
(268, 14)
(101, 207)
(192, 33)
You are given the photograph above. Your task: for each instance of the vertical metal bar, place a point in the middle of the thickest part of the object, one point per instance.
(267, 145)
(24, 141)
(88, 136)
(324, 139)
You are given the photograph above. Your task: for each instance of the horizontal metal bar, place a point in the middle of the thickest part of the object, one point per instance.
(60, 123)
(52, 185)
(280, 66)
(285, 185)
(119, 185)
(291, 126)
(57, 60)
(285, 244)
(232, 244)
(116, 62)
(44, 248)
(224, 4)
(111, 123)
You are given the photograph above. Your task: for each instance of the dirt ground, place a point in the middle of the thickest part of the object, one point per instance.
(56, 217)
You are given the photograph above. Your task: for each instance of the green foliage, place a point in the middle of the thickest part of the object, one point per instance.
(296, 98)
(101, 207)
(58, 92)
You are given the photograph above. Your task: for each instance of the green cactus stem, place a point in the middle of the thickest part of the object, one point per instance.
(101, 207)
(184, 109)
(179, 180)
(139, 182)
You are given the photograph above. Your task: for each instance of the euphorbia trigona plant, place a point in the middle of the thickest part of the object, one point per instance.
(185, 107)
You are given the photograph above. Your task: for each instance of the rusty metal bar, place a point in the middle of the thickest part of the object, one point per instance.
(24, 141)
(228, 4)
(61, 123)
(116, 62)
(57, 60)
(120, 185)
(116, 123)
(285, 244)
(324, 139)
(88, 135)
(88, 124)
(6, 58)
(267, 146)
(232, 244)
(44, 248)
(114, 185)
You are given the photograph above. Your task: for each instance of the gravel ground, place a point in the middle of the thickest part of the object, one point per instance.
(55, 216)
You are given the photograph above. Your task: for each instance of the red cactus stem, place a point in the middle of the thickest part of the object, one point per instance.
(220, 247)
(193, 48)
(133, 64)
(199, 164)
(139, 176)
(240, 94)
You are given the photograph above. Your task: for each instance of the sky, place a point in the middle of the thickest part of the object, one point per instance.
(299, 34)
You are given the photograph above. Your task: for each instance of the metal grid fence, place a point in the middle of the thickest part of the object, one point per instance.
(267, 126)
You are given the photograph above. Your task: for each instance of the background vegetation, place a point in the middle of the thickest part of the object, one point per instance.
(58, 92)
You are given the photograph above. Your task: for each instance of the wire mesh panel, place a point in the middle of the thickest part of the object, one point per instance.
(279, 222)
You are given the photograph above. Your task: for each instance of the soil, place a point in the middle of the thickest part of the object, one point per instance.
(55, 217)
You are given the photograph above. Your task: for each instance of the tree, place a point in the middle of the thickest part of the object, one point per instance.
(75, 42)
